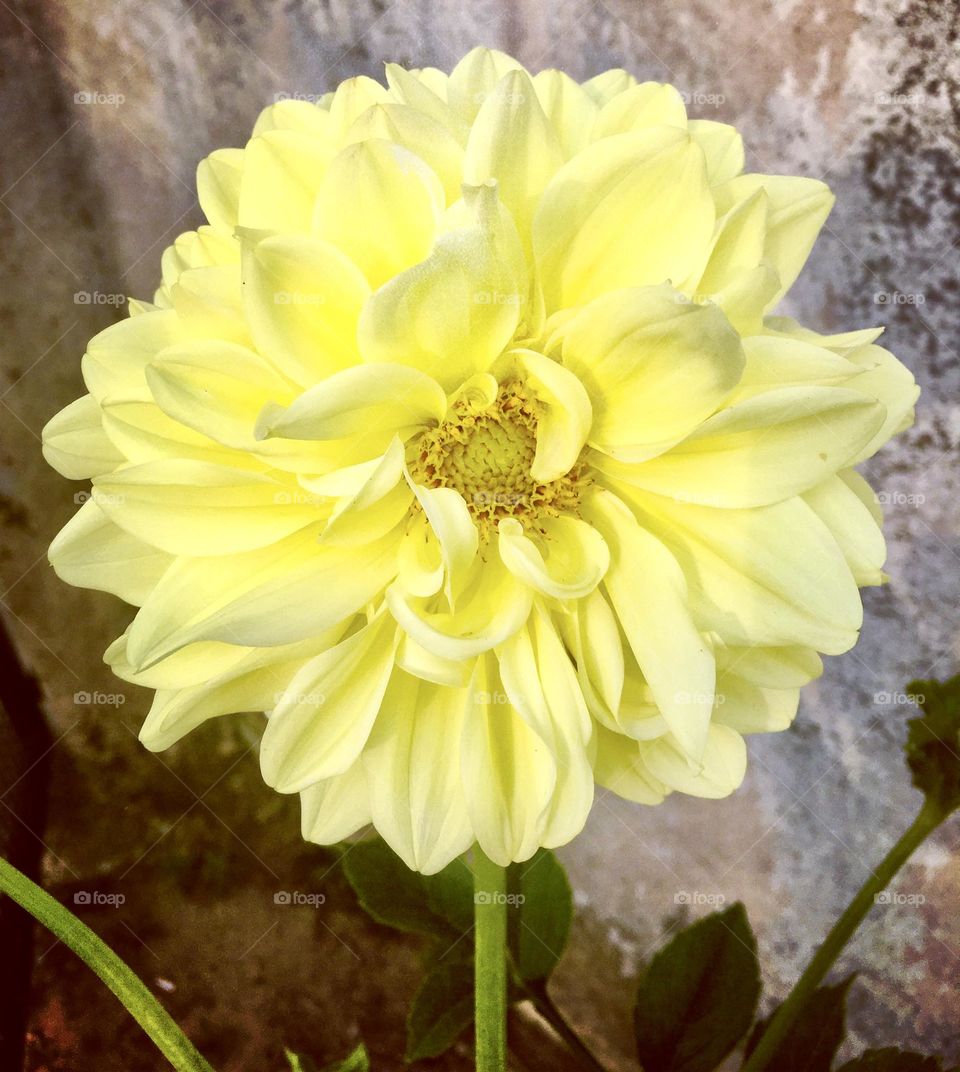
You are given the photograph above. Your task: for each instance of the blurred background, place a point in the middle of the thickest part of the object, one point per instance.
(107, 106)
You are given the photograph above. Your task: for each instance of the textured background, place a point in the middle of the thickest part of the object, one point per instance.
(863, 95)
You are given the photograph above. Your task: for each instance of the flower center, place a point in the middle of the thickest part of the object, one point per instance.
(485, 453)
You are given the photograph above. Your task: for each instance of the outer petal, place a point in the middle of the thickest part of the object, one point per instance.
(649, 594)
(252, 684)
(302, 300)
(218, 186)
(91, 551)
(722, 147)
(511, 141)
(282, 172)
(634, 210)
(569, 108)
(75, 444)
(413, 773)
(771, 576)
(721, 771)
(322, 719)
(839, 503)
(762, 450)
(509, 775)
(194, 508)
(334, 809)
(798, 208)
(619, 767)
(381, 205)
(654, 366)
(264, 597)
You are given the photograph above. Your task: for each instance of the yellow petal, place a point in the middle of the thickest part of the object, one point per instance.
(91, 551)
(335, 808)
(798, 208)
(773, 575)
(721, 770)
(375, 400)
(568, 561)
(512, 142)
(509, 776)
(323, 717)
(762, 450)
(188, 507)
(859, 536)
(218, 187)
(75, 444)
(302, 300)
(452, 315)
(569, 108)
(381, 205)
(619, 767)
(565, 413)
(412, 764)
(722, 147)
(647, 104)
(634, 210)
(282, 172)
(653, 365)
(649, 595)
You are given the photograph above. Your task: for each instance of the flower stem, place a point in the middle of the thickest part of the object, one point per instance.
(490, 972)
(133, 994)
(928, 819)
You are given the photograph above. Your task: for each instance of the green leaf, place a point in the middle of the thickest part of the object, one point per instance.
(298, 1062)
(698, 995)
(540, 911)
(407, 901)
(933, 742)
(442, 1008)
(815, 1035)
(890, 1059)
(358, 1061)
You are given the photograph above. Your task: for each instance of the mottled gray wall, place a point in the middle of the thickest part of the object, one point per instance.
(863, 95)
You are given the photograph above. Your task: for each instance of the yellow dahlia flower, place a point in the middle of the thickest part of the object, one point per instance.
(461, 442)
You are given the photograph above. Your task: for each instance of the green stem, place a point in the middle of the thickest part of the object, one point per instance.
(133, 994)
(490, 975)
(927, 820)
(543, 1003)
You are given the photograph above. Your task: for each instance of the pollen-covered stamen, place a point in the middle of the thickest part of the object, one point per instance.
(486, 452)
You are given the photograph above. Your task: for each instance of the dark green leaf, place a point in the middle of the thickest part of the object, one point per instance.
(891, 1059)
(392, 894)
(814, 1037)
(933, 742)
(540, 911)
(442, 1008)
(698, 995)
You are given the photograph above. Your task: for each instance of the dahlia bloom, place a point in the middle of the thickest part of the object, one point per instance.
(461, 441)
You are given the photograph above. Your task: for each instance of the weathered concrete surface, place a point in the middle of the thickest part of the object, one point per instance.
(862, 94)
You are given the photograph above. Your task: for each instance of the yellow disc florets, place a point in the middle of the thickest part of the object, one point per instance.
(485, 452)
